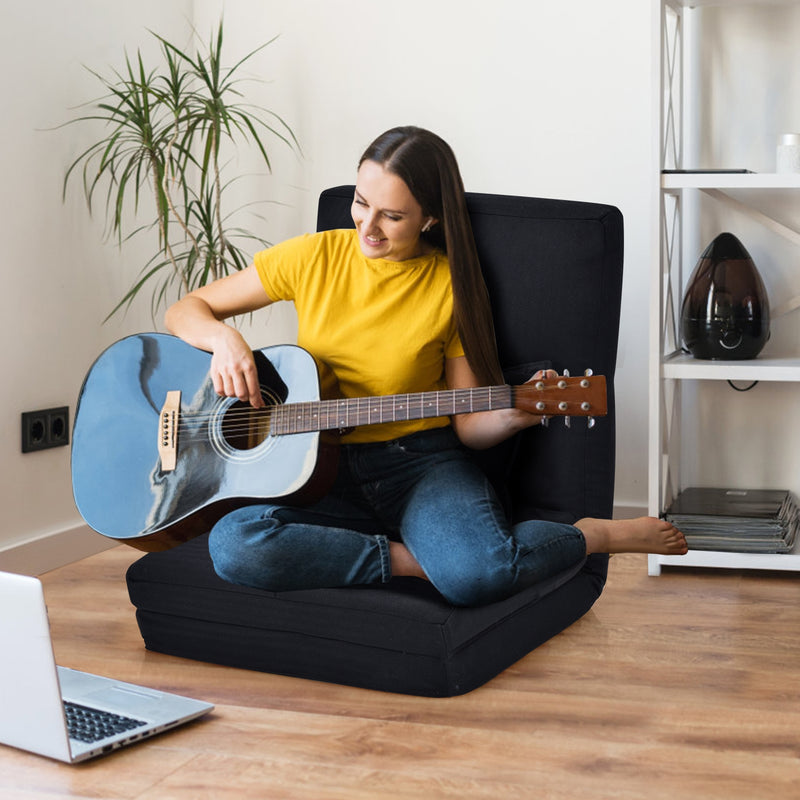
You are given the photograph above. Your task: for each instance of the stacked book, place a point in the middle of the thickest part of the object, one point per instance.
(736, 520)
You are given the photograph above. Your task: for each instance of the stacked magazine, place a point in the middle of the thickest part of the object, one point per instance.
(736, 520)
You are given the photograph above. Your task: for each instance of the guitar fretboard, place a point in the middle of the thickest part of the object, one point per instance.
(326, 415)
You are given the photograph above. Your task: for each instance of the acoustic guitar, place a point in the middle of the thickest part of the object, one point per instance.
(158, 457)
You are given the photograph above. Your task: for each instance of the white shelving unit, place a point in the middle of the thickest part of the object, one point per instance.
(676, 205)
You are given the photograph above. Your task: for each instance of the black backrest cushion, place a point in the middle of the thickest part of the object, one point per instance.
(554, 273)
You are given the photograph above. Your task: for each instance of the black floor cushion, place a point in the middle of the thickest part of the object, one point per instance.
(401, 637)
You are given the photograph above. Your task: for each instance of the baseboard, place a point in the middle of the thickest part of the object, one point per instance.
(629, 511)
(53, 550)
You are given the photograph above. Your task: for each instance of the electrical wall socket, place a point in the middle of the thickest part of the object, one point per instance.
(48, 427)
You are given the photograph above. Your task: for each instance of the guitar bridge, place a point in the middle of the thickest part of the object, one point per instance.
(168, 431)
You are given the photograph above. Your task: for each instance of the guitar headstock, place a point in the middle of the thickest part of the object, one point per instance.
(564, 396)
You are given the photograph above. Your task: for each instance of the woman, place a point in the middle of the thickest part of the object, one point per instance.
(397, 305)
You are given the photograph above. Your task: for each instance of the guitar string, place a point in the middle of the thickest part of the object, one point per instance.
(298, 417)
(303, 414)
(241, 420)
(411, 400)
(360, 403)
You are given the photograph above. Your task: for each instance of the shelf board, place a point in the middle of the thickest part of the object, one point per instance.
(720, 559)
(788, 562)
(682, 366)
(723, 3)
(730, 180)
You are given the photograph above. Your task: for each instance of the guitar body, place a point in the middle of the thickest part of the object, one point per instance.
(120, 484)
(158, 457)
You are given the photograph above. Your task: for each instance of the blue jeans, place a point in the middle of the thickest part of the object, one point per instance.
(423, 490)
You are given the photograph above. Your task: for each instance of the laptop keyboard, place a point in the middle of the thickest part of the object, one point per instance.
(90, 724)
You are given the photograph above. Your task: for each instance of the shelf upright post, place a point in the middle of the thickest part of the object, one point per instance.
(669, 123)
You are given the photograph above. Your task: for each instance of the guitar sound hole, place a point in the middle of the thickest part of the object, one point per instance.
(245, 427)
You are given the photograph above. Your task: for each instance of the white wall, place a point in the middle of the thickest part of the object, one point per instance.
(59, 280)
(537, 98)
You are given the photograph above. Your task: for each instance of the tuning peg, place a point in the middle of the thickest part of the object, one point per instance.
(590, 421)
(567, 420)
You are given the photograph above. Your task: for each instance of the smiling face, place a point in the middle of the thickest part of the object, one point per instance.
(387, 216)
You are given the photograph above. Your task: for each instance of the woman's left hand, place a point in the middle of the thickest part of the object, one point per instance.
(527, 418)
(487, 428)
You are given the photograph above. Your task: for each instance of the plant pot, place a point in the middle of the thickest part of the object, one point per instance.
(725, 311)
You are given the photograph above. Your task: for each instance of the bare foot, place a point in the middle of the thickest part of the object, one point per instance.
(640, 535)
(403, 563)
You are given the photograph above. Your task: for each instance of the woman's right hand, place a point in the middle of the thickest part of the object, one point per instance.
(233, 369)
(198, 318)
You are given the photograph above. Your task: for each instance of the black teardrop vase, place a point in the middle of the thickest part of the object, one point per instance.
(725, 311)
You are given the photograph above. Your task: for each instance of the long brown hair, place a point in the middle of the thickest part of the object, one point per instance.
(429, 168)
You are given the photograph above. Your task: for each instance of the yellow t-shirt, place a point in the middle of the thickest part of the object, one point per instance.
(382, 327)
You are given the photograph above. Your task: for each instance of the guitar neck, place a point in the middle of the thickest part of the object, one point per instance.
(351, 412)
(561, 396)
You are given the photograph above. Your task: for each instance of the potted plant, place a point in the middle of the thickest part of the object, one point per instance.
(167, 133)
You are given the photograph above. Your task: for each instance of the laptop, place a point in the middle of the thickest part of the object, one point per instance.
(60, 712)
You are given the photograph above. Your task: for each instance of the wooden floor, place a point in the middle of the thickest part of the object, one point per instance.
(681, 686)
